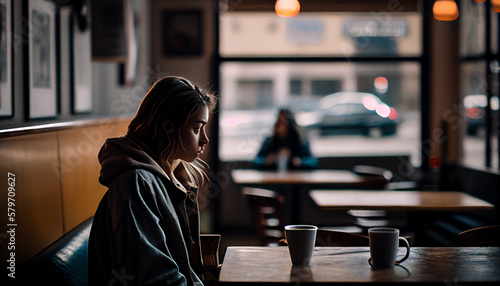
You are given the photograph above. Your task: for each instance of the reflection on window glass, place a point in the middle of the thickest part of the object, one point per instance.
(473, 87)
(472, 27)
(324, 87)
(295, 86)
(495, 126)
(254, 94)
(320, 34)
(343, 108)
(496, 129)
(494, 16)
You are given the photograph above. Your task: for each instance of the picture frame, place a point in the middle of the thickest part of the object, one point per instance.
(41, 58)
(6, 90)
(82, 97)
(181, 33)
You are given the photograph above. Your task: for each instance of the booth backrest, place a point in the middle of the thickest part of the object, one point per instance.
(64, 262)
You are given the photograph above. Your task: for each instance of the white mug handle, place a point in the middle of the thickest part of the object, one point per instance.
(407, 251)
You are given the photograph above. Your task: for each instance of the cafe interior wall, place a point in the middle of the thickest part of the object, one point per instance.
(111, 98)
(55, 160)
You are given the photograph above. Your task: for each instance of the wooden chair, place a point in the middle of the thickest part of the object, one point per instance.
(380, 218)
(269, 214)
(327, 237)
(385, 178)
(210, 244)
(372, 171)
(372, 218)
(481, 236)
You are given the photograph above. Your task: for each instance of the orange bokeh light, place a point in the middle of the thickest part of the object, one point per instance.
(496, 5)
(287, 8)
(445, 10)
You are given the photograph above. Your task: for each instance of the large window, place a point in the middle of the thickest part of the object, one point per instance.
(252, 93)
(479, 84)
(352, 79)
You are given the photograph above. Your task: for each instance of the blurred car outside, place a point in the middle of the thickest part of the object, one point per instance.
(337, 113)
(475, 105)
(351, 112)
(259, 122)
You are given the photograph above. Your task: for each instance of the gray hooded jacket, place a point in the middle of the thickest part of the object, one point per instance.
(145, 230)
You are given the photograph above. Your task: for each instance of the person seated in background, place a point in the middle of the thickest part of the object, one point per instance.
(285, 148)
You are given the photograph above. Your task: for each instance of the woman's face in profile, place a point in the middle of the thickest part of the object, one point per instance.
(193, 136)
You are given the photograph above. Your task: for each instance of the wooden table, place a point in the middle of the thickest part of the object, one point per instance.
(415, 202)
(292, 182)
(346, 265)
(398, 200)
(330, 178)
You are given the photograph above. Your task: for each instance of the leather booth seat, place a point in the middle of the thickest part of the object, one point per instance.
(64, 262)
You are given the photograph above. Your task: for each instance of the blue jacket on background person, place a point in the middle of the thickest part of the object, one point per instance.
(285, 148)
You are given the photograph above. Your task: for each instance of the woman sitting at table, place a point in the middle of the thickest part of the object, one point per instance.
(146, 228)
(285, 148)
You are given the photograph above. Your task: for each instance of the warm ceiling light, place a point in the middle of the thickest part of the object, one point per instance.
(496, 5)
(445, 10)
(287, 8)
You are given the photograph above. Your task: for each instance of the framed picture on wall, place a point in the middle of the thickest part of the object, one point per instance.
(181, 32)
(42, 92)
(82, 99)
(6, 104)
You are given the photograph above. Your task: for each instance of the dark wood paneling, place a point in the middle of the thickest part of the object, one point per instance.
(56, 171)
(38, 210)
(80, 169)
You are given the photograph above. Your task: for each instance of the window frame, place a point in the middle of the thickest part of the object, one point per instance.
(487, 58)
(422, 61)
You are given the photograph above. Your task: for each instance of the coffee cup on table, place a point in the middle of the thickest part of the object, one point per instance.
(301, 240)
(384, 246)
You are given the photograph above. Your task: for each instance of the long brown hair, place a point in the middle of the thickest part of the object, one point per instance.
(170, 101)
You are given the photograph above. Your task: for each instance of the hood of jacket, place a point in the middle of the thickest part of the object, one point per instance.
(122, 154)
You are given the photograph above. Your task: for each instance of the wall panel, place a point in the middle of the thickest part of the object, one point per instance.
(38, 204)
(56, 172)
(80, 169)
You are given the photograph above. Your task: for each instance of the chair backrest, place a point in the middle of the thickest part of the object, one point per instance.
(268, 211)
(64, 262)
(481, 236)
(373, 171)
(383, 176)
(210, 244)
(327, 237)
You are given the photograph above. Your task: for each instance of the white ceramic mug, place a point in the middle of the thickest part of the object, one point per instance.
(384, 246)
(301, 240)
